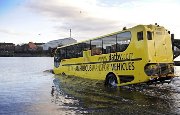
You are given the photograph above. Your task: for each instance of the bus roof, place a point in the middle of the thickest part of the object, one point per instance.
(93, 38)
(113, 33)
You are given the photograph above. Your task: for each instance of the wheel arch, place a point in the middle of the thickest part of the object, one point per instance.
(108, 75)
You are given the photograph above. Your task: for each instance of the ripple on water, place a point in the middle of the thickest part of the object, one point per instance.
(90, 96)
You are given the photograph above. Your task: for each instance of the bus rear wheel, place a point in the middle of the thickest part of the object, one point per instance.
(111, 80)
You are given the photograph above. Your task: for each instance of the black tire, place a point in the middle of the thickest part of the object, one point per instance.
(111, 81)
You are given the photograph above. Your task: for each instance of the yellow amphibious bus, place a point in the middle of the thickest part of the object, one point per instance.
(141, 54)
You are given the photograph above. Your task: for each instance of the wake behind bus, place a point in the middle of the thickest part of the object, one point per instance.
(141, 54)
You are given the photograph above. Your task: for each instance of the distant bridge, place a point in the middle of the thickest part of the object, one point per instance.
(176, 43)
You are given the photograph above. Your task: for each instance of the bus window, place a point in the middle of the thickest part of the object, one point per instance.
(109, 44)
(63, 53)
(85, 46)
(58, 53)
(96, 47)
(123, 40)
(149, 35)
(74, 51)
(78, 50)
(140, 35)
(70, 53)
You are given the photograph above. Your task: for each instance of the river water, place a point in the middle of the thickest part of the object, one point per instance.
(26, 88)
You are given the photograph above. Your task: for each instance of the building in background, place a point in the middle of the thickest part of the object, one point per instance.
(33, 49)
(7, 49)
(60, 42)
(32, 46)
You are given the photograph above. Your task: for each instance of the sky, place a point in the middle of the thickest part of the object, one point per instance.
(23, 21)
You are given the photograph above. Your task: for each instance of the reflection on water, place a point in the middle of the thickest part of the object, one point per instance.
(24, 87)
(90, 96)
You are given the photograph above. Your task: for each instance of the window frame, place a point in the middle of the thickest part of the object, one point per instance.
(140, 35)
(149, 35)
(97, 50)
(127, 39)
(115, 43)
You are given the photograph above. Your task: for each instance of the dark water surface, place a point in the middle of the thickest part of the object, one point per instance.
(26, 88)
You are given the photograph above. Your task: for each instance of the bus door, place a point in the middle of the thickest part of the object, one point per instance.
(162, 46)
(157, 46)
(151, 46)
